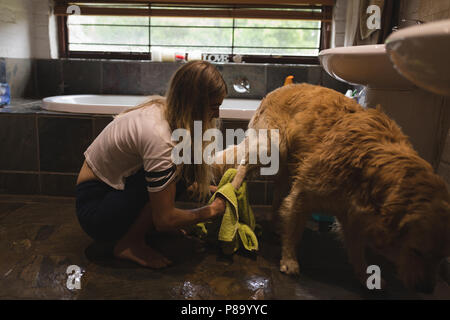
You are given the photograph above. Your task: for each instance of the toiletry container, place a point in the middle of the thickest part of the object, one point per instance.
(5, 94)
(156, 55)
(288, 80)
(195, 55)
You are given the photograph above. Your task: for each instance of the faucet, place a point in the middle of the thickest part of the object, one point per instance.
(241, 85)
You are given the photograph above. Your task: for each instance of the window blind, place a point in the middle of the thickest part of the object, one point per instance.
(293, 10)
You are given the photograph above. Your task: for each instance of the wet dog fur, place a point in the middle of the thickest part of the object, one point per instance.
(356, 164)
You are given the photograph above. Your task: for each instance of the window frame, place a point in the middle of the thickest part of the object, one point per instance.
(64, 52)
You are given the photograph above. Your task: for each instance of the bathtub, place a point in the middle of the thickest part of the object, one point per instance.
(242, 109)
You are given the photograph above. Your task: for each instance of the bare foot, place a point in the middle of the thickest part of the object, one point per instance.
(141, 254)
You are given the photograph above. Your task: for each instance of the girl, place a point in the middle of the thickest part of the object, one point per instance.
(128, 183)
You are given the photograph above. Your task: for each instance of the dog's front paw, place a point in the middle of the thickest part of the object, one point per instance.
(289, 266)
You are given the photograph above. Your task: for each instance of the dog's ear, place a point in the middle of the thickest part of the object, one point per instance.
(381, 234)
(407, 221)
(390, 229)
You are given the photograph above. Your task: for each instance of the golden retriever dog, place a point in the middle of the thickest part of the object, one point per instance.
(357, 165)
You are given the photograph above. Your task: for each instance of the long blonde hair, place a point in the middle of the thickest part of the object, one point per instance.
(191, 91)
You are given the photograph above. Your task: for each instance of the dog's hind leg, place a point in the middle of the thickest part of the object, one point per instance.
(293, 221)
(283, 184)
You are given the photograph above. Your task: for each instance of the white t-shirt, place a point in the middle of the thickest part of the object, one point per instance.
(139, 138)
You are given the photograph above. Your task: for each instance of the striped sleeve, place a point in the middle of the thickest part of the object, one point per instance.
(159, 180)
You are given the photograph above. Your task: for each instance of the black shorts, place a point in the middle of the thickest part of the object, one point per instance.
(105, 213)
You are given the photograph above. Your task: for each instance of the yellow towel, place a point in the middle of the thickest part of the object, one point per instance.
(238, 222)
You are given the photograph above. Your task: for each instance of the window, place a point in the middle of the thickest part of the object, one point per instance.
(196, 29)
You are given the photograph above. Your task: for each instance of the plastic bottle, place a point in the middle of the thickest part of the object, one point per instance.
(288, 80)
(5, 94)
(195, 55)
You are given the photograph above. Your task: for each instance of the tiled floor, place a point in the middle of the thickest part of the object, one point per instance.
(40, 238)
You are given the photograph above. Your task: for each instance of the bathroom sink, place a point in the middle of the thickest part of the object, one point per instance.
(422, 55)
(363, 65)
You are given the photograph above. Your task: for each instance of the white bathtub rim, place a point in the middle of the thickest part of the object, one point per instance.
(60, 104)
(228, 110)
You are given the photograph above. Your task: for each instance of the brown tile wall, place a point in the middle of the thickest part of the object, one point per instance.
(45, 151)
(42, 153)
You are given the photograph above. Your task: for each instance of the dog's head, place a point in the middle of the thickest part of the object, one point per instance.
(415, 232)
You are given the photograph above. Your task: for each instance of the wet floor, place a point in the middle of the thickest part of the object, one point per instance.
(40, 238)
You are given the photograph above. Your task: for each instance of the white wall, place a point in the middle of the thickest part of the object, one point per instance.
(338, 24)
(16, 28)
(42, 32)
(27, 30)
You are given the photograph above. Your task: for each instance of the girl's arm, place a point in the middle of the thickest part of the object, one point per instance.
(167, 217)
